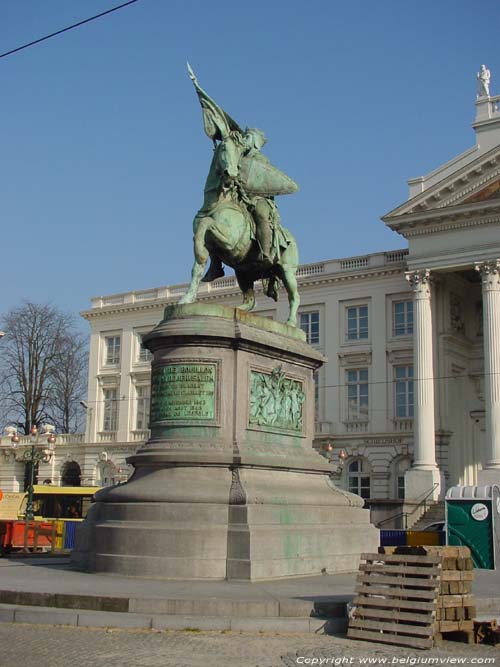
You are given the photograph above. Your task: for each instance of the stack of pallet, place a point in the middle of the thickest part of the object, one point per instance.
(412, 596)
(456, 605)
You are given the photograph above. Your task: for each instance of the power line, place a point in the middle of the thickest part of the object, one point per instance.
(70, 27)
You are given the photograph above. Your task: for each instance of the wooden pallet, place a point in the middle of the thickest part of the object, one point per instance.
(414, 596)
(396, 599)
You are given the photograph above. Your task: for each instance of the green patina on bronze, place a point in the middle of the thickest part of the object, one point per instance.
(183, 392)
(276, 401)
(202, 310)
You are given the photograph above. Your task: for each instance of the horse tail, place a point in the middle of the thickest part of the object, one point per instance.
(271, 287)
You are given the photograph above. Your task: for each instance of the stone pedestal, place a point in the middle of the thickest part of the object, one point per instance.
(228, 486)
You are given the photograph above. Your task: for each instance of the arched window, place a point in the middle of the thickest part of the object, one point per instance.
(71, 474)
(358, 477)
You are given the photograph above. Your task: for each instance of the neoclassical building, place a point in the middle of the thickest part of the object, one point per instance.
(411, 389)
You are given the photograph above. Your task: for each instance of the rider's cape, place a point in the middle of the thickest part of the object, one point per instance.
(260, 177)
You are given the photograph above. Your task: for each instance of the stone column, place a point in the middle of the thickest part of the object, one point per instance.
(126, 403)
(424, 473)
(490, 277)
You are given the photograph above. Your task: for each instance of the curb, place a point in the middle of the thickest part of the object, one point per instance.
(211, 607)
(101, 619)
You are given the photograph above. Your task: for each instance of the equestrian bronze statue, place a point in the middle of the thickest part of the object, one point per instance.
(238, 224)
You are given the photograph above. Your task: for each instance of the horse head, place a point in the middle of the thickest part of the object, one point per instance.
(229, 154)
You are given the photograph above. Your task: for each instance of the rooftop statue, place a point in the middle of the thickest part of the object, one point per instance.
(238, 223)
(483, 82)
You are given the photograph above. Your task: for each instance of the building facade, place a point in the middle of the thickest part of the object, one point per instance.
(411, 389)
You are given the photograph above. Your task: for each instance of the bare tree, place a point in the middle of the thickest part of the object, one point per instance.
(38, 363)
(69, 384)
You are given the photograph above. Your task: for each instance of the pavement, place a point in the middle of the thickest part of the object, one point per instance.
(54, 616)
(46, 646)
(49, 590)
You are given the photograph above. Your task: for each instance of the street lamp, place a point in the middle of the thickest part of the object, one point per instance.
(341, 456)
(35, 452)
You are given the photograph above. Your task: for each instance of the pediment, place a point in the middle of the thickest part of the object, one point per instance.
(491, 191)
(478, 182)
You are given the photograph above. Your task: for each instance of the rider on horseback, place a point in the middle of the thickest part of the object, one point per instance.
(252, 185)
(263, 210)
(238, 223)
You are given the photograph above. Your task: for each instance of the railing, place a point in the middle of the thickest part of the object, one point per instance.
(357, 426)
(224, 283)
(67, 439)
(405, 515)
(106, 436)
(177, 291)
(138, 436)
(396, 256)
(145, 296)
(62, 439)
(322, 427)
(333, 266)
(310, 269)
(403, 425)
(354, 263)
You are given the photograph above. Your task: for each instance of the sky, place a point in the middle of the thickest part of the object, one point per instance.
(103, 154)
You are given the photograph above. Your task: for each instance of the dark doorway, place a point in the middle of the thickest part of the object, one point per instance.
(71, 474)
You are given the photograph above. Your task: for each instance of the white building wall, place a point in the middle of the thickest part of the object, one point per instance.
(327, 288)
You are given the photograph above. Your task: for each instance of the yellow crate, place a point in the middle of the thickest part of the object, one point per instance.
(416, 538)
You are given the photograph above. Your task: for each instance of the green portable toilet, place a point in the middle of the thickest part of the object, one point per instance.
(473, 520)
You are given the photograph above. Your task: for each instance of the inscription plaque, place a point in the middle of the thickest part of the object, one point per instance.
(183, 392)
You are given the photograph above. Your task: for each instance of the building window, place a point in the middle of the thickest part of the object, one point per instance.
(309, 323)
(403, 391)
(357, 323)
(402, 318)
(142, 410)
(112, 346)
(144, 354)
(401, 487)
(357, 394)
(110, 412)
(358, 478)
(401, 465)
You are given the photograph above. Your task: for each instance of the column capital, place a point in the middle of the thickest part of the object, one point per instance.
(420, 281)
(490, 274)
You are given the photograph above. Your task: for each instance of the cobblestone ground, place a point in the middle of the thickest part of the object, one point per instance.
(48, 646)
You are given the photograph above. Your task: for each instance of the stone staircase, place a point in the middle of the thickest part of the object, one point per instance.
(435, 512)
